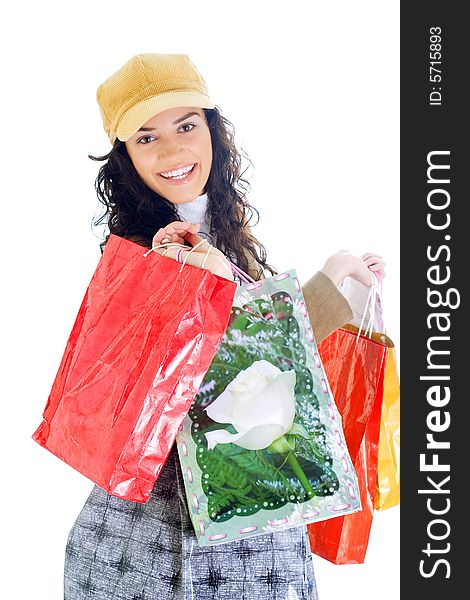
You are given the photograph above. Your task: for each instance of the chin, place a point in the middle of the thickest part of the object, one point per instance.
(182, 197)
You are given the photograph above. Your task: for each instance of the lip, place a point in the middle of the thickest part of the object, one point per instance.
(183, 181)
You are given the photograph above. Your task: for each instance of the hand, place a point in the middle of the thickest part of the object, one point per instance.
(344, 264)
(216, 261)
(177, 233)
(174, 232)
(195, 239)
(375, 263)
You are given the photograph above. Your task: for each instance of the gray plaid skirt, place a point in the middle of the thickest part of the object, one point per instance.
(121, 550)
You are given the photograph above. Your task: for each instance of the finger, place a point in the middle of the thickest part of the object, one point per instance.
(370, 255)
(163, 236)
(377, 267)
(195, 239)
(157, 238)
(192, 238)
(378, 273)
(172, 234)
(181, 226)
(373, 260)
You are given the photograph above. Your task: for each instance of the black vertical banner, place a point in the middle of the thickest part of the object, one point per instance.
(435, 345)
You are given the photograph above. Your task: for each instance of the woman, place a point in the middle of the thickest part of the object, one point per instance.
(174, 172)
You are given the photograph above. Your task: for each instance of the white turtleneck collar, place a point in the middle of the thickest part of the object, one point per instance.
(195, 211)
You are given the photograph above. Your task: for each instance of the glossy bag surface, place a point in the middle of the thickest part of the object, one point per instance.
(387, 493)
(388, 469)
(355, 368)
(262, 448)
(145, 334)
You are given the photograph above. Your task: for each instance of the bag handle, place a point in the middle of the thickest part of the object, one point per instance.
(234, 269)
(371, 304)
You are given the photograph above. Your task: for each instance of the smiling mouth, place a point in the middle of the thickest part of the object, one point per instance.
(178, 174)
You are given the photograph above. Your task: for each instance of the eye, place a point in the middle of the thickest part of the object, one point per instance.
(145, 139)
(190, 125)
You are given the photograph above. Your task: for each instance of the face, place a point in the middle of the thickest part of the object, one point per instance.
(172, 153)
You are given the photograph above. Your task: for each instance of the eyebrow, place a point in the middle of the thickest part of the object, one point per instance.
(190, 114)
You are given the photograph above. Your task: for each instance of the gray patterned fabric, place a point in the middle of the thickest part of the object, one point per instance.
(120, 550)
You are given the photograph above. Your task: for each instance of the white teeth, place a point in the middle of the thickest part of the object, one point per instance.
(178, 173)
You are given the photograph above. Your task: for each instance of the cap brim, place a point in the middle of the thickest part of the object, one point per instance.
(136, 116)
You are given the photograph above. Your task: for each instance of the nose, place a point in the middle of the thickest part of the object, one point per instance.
(168, 150)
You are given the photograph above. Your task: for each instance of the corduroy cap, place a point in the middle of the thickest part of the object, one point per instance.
(146, 85)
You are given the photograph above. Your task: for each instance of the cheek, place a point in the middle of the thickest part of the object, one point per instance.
(142, 165)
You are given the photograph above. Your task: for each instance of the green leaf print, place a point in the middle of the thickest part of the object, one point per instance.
(237, 481)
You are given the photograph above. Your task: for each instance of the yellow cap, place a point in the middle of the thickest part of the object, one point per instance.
(146, 85)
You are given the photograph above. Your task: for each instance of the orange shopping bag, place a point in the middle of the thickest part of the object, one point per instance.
(355, 367)
(387, 493)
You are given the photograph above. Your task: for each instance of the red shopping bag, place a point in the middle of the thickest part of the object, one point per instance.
(145, 335)
(355, 370)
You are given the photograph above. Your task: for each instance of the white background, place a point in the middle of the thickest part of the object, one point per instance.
(312, 88)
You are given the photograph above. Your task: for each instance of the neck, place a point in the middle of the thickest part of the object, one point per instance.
(195, 211)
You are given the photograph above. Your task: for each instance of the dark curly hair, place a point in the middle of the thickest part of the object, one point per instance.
(135, 212)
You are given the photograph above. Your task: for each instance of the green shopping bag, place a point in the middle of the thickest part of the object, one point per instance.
(262, 448)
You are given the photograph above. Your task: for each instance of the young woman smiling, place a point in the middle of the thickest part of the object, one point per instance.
(174, 175)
